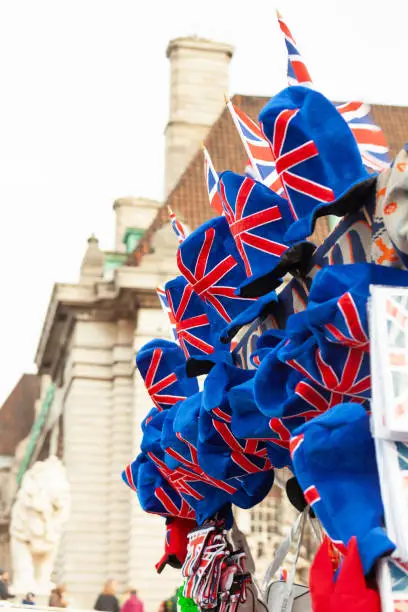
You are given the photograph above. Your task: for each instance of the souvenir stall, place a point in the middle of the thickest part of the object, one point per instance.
(316, 387)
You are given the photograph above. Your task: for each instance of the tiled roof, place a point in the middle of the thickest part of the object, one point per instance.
(189, 197)
(17, 413)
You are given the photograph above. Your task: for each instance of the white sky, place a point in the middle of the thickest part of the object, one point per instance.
(84, 101)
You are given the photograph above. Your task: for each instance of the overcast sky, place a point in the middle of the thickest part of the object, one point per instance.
(84, 101)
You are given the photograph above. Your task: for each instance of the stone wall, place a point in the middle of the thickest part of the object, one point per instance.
(97, 441)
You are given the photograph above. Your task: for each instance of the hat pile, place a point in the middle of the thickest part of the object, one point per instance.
(305, 404)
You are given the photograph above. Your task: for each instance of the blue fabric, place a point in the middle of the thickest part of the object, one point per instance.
(334, 461)
(258, 220)
(219, 453)
(258, 308)
(162, 366)
(338, 300)
(156, 495)
(328, 342)
(249, 423)
(292, 118)
(182, 470)
(190, 315)
(210, 262)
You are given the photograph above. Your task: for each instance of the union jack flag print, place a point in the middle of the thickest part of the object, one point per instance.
(337, 368)
(257, 148)
(161, 294)
(187, 310)
(158, 388)
(253, 215)
(156, 495)
(178, 227)
(206, 262)
(289, 159)
(369, 136)
(244, 456)
(211, 180)
(157, 362)
(298, 74)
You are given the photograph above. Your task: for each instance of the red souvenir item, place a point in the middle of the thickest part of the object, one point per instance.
(349, 592)
(175, 547)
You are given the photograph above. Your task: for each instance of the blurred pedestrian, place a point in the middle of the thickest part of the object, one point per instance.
(133, 603)
(4, 586)
(29, 600)
(107, 600)
(170, 605)
(58, 597)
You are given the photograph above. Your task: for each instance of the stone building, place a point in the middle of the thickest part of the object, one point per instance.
(94, 328)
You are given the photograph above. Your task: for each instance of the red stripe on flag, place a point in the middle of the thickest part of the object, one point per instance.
(311, 495)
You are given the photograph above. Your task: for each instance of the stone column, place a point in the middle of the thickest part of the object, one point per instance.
(121, 451)
(84, 554)
(146, 534)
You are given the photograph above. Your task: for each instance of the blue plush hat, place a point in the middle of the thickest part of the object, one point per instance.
(258, 220)
(178, 463)
(161, 364)
(156, 495)
(317, 158)
(328, 342)
(209, 261)
(334, 461)
(220, 454)
(189, 312)
(338, 300)
(227, 396)
(249, 423)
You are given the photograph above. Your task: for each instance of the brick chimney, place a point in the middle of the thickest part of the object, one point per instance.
(199, 79)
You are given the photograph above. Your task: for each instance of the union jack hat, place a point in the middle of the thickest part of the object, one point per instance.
(338, 300)
(337, 367)
(317, 158)
(284, 394)
(156, 495)
(258, 219)
(334, 461)
(222, 457)
(205, 494)
(328, 343)
(209, 261)
(190, 315)
(162, 366)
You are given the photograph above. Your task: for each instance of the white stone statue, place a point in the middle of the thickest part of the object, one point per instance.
(37, 517)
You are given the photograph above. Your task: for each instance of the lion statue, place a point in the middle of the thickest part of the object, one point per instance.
(38, 514)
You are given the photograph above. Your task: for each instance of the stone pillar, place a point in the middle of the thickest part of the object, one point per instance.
(146, 534)
(133, 215)
(84, 553)
(199, 80)
(121, 451)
